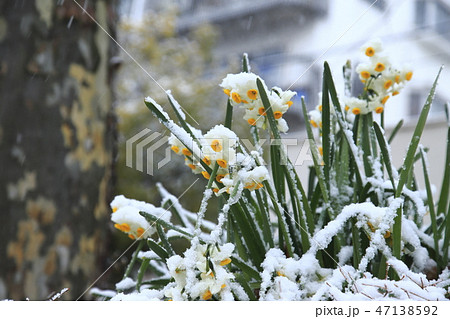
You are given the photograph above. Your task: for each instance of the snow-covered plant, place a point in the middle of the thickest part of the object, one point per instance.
(356, 231)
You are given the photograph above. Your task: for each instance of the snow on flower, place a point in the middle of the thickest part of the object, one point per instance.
(127, 219)
(212, 277)
(243, 92)
(381, 80)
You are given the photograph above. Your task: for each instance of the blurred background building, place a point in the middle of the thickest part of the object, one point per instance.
(288, 41)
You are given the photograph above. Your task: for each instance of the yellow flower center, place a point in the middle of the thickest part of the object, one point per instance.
(123, 227)
(279, 273)
(225, 261)
(140, 231)
(215, 190)
(379, 67)
(114, 209)
(223, 286)
(131, 236)
(289, 103)
(320, 107)
(219, 177)
(216, 146)
(356, 110)
(408, 76)
(347, 107)
(226, 91)
(206, 174)
(236, 97)
(207, 295)
(207, 161)
(259, 185)
(313, 123)
(321, 150)
(370, 51)
(387, 84)
(186, 152)
(192, 166)
(383, 101)
(249, 185)
(365, 74)
(252, 94)
(262, 111)
(277, 115)
(379, 109)
(387, 234)
(222, 163)
(397, 79)
(251, 121)
(175, 148)
(395, 93)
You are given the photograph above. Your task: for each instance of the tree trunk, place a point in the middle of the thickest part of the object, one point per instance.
(56, 145)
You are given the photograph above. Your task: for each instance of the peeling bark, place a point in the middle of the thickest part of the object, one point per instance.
(57, 143)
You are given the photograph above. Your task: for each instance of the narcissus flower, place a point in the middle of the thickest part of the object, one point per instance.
(243, 92)
(212, 276)
(127, 219)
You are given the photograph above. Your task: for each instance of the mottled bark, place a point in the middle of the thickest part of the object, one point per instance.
(56, 145)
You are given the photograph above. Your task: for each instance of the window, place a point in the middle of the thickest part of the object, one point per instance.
(417, 100)
(433, 15)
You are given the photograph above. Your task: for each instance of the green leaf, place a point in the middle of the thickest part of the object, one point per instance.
(384, 151)
(153, 219)
(316, 157)
(407, 165)
(244, 283)
(326, 129)
(141, 273)
(268, 110)
(168, 123)
(395, 131)
(430, 205)
(229, 115)
(245, 268)
(157, 249)
(445, 187)
(245, 63)
(164, 241)
(182, 121)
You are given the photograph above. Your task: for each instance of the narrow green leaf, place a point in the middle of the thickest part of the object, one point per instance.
(245, 63)
(407, 165)
(395, 131)
(326, 130)
(133, 259)
(141, 273)
(268, 110)
(263, 207)
(168, 123)
(445, 187)
(245, 268)
(384, 151)
(316, 157)
(244, 283)
(157, 249)
(153, 219)
(164, 241)
(181, 119)
(229, 115)
(430, 205)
